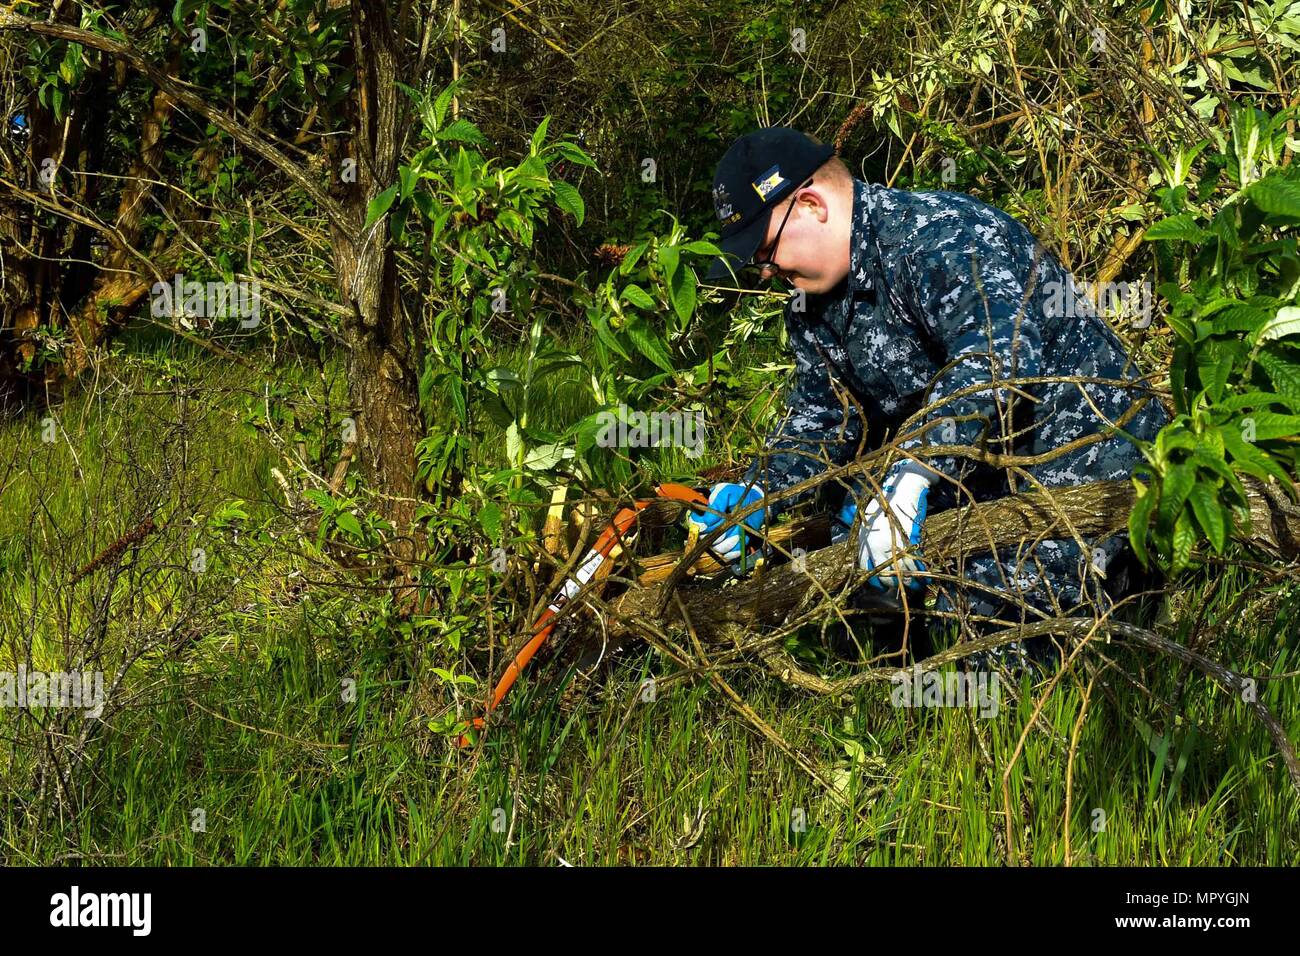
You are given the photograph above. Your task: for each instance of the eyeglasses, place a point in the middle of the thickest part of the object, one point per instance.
(764, 262)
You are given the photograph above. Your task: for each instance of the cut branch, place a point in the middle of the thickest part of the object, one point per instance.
(1098, 511)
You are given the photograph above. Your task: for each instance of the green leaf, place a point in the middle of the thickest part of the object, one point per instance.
(535, 335)
(1249, 459)
(398, 223)
(1285, 322)
(443, 101)
(702, 248)
(462, 172)
(1184, 539)
(1274, 425)
(1139, 522)
(1245, 137)
(1253, 399)
(1284, 374)
(1210, 514)
(1178, 483)
(1175, 437)
(638, 296)
(1217, 465)
(606, 335)
(1224, 227)
(556, 361)
(683, 293)
(407, 178)
(463, 131)
(514, 444)
(1209, 441)
(1158, 744)
(1214, 362)
(544, 457)
(230, 511)
(1209, 308)
(539, 136)
(1251, 76)
(456, 391)
(574, 154)
(379, 205)
(502, 377)
(588, 431)
(568, 199)
(1276, 194)
(489, 519)
(498, 411)
(1181, 325)
(634, 255)
(349, 523)
(1241, 318)
(669, 256)
(321, 499)
(532, 173)
(648, 342)
(1181, 227)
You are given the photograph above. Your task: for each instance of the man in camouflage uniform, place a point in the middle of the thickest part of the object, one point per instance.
(928, 280)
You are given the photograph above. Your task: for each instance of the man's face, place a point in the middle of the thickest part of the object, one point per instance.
(812, 249)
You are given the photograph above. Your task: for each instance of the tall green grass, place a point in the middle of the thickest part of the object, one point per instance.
(252, 730)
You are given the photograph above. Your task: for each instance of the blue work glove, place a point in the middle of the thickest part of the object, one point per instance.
(843, 522)
(905, 491)
(724, 498)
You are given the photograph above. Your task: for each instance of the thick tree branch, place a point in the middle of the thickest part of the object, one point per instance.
(770, 595)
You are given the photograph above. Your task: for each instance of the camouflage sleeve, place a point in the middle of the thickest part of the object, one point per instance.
(816, 430)
(971, 292)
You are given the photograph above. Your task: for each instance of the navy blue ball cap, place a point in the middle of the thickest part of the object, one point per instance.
(758, 171)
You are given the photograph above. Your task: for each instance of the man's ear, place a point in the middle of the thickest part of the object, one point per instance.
(817, 203)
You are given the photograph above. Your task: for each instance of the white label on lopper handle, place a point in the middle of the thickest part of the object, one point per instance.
(580, 577)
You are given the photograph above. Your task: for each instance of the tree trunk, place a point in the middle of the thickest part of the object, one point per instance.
(89, 300)
(384, 357)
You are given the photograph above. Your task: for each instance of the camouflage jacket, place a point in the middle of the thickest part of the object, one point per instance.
(934, 278)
